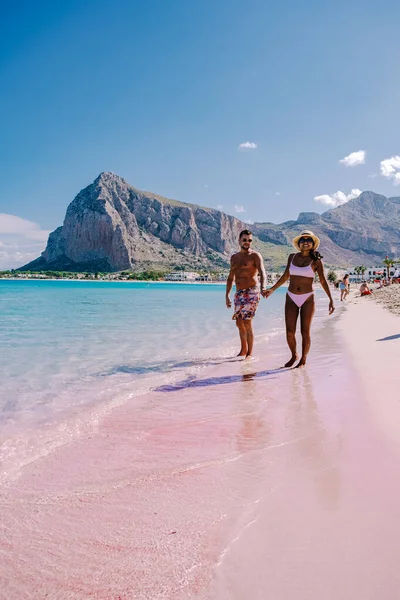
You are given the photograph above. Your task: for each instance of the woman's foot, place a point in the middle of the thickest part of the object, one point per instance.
(301, 363)
(242, 353)
(291, 362)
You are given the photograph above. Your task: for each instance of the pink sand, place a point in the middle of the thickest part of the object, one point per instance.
(246, 483)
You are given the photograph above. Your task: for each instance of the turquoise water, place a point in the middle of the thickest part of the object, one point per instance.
(68, 344)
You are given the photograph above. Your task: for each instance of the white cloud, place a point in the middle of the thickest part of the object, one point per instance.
(247, 146)
(220, 206)
(390, 168)
(21, 241)
(372, 176)
(353, 159)
(12, 225)
(277, 193)
(337, 198)
(248, 221)
(239, 209)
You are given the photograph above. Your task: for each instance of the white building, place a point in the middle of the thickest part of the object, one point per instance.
(371, 273)
(182, 276)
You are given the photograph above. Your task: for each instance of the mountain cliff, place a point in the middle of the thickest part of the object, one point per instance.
(111, 226)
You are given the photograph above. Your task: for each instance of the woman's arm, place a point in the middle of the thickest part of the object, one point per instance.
(324, 283)
(281, 280)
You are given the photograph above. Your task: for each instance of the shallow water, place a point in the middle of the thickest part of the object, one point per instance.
(62, 337)
(72, 350)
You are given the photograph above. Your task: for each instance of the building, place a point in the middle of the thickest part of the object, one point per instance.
(371, 273)
(182, 276)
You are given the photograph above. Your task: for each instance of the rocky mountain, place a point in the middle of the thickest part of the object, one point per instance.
(111, 226)
(362, 231)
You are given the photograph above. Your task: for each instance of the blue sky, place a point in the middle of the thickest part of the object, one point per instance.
(164, 93)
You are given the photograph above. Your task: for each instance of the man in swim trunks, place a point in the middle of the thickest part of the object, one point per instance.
(365, 289)
(246, 266)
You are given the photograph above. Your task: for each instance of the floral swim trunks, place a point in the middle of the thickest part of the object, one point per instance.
(246, 302)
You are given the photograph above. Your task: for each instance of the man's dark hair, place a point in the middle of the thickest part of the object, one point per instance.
(245, 232)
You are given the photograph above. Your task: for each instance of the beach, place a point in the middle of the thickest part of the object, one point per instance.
(237, 480)
(371, 329)
(389, 297)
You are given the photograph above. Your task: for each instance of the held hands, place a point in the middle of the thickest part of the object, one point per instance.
(331, 307)
(228, 302)
(266, 293)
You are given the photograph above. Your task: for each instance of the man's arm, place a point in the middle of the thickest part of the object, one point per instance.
(324, 284)
(229, 283)
(261, 271)
(281, 280)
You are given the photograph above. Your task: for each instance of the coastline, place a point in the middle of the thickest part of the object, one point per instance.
(245, 481)
(150, 281)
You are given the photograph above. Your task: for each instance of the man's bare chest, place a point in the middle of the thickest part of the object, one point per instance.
(247, 262)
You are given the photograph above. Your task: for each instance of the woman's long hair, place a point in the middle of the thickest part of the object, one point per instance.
(315, 255)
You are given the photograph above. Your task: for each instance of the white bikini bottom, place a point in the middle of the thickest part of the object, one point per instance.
(299, 299)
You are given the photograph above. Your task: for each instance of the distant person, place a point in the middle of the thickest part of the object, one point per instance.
(300, 270)
(246, 266)
(344, 287)
(396, 276)
(365, 290)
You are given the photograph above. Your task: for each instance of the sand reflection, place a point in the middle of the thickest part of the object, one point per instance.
(253, 432)
(318, 447)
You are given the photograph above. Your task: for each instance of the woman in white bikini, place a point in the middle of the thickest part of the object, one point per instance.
(301, 269)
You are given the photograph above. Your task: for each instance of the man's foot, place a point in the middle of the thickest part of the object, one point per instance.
(242, 353)
(291, 362)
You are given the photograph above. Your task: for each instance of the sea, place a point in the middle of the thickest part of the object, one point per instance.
(69, 347)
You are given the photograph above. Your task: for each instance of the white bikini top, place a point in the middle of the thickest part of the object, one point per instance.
(301, 271)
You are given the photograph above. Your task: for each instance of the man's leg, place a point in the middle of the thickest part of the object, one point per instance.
(306, 316)
(291, 316)
(248, 324)
(243, 337)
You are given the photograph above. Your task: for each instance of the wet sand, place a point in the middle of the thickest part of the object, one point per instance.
(246, 481)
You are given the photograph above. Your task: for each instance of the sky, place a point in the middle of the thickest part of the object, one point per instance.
(261, 109)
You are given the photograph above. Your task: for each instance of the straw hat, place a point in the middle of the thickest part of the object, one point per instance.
(310, 234)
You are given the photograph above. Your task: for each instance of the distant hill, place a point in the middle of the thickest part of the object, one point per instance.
(111, 226)
(362, 231)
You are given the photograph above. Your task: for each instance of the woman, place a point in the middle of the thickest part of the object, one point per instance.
(301, 268)
(344, 288)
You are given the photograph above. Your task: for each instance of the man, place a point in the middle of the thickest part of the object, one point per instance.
(365, 289)
(246, 266)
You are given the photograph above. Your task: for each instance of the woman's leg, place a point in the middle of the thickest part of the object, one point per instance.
(306, 316)
(291, 316)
